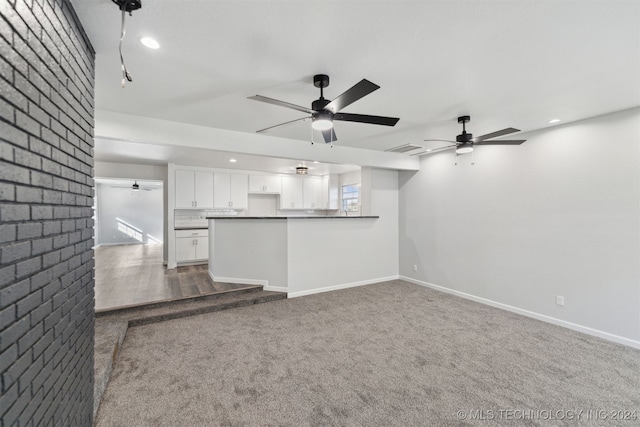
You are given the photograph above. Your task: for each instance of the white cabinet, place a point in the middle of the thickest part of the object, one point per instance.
(312, 193)
(291, 195)
(193, 189)
(265, 184)
(192, 245)
(330, 191)
(230, 191)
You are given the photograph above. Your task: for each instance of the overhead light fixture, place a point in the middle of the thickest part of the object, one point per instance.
(322, 121)
(316, 162)
(464, 149)
(302, 170)
(232, 160)
(150, 43)
(135, 186)
(552, 121)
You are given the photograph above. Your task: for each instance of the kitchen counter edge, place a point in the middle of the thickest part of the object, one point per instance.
(295, 217)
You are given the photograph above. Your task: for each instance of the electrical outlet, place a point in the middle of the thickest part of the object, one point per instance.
(560, 300)
(415, 267)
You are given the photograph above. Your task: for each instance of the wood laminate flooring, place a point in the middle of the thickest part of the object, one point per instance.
(127, 275)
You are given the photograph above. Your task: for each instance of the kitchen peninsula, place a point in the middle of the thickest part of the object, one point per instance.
(297, 254)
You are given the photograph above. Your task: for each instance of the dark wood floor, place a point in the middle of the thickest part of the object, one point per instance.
(133, 275)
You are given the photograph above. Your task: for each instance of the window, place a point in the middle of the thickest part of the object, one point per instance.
(350, 195)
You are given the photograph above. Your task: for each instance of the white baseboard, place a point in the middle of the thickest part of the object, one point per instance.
(569, 325)
(264, 283)
(341, 286)
(117, 244)
(276, 289)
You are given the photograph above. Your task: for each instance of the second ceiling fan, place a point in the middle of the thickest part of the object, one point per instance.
(324, 111)
(465, 141)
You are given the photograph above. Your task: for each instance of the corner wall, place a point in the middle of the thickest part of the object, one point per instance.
(46, 260)
(558, 215)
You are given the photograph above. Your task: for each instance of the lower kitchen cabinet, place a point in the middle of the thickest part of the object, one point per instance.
(192, 245)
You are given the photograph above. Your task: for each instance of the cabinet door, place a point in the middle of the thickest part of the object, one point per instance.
(265, 184)
(291, 196)
(273, 184)
(203, 189)
(185, 249)
(333, 191)
(312, 193)
(239, 190)
(257, 183)
(201, 248)
(185, 190)
(221, 190)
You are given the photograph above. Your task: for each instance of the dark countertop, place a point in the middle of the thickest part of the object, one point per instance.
(295, 217)
(191, 228)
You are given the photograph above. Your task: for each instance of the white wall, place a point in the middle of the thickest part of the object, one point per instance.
(558, 215)
(141, 209)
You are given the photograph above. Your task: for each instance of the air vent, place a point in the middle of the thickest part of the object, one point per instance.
(302, 170)
(404, 148)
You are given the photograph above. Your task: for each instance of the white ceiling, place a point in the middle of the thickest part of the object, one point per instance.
(506, 63)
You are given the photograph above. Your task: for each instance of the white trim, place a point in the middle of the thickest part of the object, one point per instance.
(569, 325)
(342, 286)
(264, 283)
(118, 244)
(276, 288)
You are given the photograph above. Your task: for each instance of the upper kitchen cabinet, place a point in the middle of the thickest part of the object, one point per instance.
(194, 189)
(330, 191)
(270, 184)
(230, 191)
(313, 194)
(291, 195)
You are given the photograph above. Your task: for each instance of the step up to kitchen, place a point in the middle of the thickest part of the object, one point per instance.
(173, 309)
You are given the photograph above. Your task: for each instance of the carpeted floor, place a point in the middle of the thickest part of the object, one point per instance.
(389, 354)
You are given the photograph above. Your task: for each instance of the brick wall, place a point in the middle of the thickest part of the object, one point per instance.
(46, 260)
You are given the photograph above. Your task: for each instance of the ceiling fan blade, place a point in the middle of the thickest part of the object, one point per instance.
(280, 103)
(433, 150)
(364, 118)
(440, 140)
(329, 135)
(495, 134)
(501, 142)
(357, 91)
(282, 124)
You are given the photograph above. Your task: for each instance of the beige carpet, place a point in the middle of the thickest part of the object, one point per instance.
(389, 354)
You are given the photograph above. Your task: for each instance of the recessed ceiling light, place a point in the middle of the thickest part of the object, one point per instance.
(232, 160)
(429, 150)
(150, 43)
(554, 121)
(316, 162)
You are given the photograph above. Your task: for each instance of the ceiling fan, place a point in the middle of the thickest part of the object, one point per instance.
(323, 111)
(134, 187)
(465, 141)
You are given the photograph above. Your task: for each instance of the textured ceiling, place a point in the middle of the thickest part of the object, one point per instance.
(506, 63)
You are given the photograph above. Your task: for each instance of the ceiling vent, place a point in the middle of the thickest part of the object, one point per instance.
(302, 170)
(404, 148)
